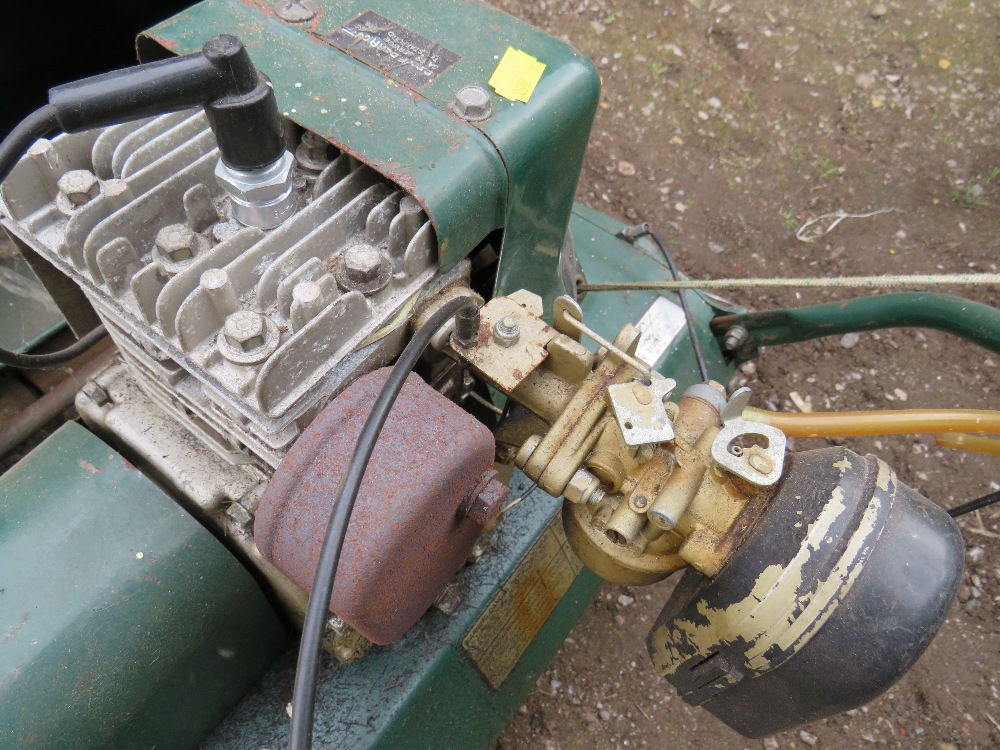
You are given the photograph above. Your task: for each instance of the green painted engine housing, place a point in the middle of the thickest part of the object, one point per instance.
(516, 171)
(123, 622)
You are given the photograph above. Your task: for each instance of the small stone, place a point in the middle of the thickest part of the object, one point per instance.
(680, 207)
(625, 600)
(626, 169)
(715, 102)
(809, 738)
(604, 714)
(716, 248)
(900, 394)
(975, 555)
(850, 340)
(804, 405)
(879, 10)
(864, 80)
(770, 743)
(748, 368)
(977, 190)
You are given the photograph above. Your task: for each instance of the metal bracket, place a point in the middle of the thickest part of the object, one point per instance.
(640, 411)
(760, 465)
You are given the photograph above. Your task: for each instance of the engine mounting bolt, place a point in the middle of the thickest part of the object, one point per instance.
(245, 330)
(506, 331)
(472, 103)
(79, 186)
(362, 263)
(736, 337)
(177, 242)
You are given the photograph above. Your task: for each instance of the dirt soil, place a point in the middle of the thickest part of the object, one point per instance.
(729, 126)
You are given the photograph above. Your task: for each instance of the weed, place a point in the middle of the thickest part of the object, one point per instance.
(828, 170)
(611, 18)
(967, 193)
(751, 100)
(659, 69)
(797, 156)
(791, 223)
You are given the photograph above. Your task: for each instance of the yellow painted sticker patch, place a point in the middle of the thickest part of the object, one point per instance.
(517, 75)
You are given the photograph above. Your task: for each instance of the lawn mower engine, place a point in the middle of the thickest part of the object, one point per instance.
(424, 154)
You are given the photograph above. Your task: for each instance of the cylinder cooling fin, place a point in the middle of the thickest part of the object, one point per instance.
(237, 330)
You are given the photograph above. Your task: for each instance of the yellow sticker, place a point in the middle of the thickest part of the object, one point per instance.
(517, 75)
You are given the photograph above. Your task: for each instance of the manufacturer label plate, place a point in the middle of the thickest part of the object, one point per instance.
(393, 49)
(659, 326)
(520, 608)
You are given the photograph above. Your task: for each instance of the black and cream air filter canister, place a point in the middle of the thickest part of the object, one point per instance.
(834, 594)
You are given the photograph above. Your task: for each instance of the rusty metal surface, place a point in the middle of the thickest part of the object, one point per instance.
(411, 529)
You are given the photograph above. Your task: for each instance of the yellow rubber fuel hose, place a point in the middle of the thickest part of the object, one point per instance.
(965, 442)
(890, 422)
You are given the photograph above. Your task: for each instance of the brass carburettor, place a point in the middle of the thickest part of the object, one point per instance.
(651, 484)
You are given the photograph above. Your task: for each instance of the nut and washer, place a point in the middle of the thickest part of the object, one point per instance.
(248, 338)
(472, 103)
(363, 268)
(312, 153)
(506, 331)
(736, 337)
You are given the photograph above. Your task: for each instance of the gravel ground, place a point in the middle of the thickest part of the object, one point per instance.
(730, 127)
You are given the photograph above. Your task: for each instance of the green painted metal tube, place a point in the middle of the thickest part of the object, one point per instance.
(972, 321)
(123, 622)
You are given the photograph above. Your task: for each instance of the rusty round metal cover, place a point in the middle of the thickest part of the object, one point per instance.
(410, 531)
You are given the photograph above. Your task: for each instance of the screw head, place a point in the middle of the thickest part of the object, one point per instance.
(472, 103)
(79, 186)
(177, 242)
(506, 331)
(245, 330)
(295, 11)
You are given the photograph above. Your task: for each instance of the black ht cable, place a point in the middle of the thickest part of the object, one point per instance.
(310, 646)
(238, 101)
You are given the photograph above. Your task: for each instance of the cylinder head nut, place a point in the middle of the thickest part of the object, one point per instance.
(472, 103)
(245, 330)
(177, 243)
(363, 268)
(77, 188)
(248, 337)
(506, 331)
